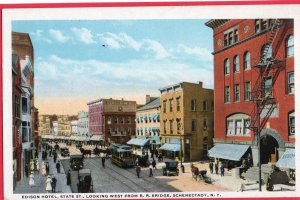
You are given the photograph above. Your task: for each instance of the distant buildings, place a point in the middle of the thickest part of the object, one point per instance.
(241, 48)
(113, 120)
(83, 123)
(148, 121)
(23, 102)
(186, 120)
(64, 125)
(46, 125)
(74, 127)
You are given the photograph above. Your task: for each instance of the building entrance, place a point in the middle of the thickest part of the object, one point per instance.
(269, 149)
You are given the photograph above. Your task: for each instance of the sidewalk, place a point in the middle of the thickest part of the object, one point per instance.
(23, 187)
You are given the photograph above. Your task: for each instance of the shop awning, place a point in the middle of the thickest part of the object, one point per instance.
(170, 147)
(72, 137)
(155, 140)
(228, 151)
(82, 138)
(138, 142)
(97, 138)
(287, 160)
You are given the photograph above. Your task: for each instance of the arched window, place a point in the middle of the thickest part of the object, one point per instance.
(236, 63)
(227, 66)
(290, 46)
(238, 124)
(247, 60)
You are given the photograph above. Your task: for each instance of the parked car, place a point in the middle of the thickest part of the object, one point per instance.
(170, 168)
(64, 152)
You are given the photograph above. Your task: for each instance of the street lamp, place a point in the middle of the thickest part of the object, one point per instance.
(181, 131)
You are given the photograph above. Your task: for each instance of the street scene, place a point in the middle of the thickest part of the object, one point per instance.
(120, 109)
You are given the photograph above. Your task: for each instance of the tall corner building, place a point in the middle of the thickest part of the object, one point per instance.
(254, 87)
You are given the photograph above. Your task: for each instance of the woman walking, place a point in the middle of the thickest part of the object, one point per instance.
(48, 184)
(31, 179)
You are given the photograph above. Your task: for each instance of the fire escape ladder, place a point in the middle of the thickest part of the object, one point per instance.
(262, 93)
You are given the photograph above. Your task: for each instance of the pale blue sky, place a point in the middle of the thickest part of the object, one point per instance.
(79, 61)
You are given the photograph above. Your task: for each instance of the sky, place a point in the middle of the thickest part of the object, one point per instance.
(78, 61)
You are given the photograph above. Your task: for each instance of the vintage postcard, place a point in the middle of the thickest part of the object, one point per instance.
(150, 101)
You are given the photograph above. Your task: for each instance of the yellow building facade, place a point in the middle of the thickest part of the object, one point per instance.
(64, 125)
(186, 124)
(45, 126)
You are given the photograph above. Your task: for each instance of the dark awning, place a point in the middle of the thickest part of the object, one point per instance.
(228, 151)
(287, 160)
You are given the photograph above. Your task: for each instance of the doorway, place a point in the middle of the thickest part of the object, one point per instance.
(269, 149)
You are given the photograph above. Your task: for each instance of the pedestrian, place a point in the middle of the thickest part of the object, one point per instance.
(216, 167)
(47, 168)
(46, 155)
(50, 152)
(269, 185)
(37, 165)
(31, 179)
(154, 164)
(54, 157)
(211, 167)
(150, 170)
(26, 170)
(31, 165)
(103, 161)
(137, 161)
(53, 184)
(58, 167)
(222, 170)
(48, 184)
(44, 172)
(138, 170)
(36, 154)
(69, 177)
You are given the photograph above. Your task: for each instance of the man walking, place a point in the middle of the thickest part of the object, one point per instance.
(103, 161)
(53, 184)
(216, 167)
(154, 164)
(47, 168)
(211, 167)
(54, 156)
(69, 177)
(58, 167)
(222, 169)
(138, 170)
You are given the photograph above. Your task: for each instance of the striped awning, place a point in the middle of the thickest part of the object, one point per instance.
(138, 142)
(228, 151)
(97, 138)
(287, 160)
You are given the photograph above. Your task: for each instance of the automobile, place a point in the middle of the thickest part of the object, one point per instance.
(170, 168)
(76, 161)
(85, 182)
(64, 152)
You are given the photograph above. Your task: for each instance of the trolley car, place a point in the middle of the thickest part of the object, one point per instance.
(122, 156)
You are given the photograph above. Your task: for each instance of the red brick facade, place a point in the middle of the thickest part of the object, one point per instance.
(247, 39)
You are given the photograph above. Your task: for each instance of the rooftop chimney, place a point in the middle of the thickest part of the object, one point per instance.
(148, 98)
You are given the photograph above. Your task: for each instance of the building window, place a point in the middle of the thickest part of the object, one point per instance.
(227, 67)
(194, 125)
(205, 124)
(116, 131)
(236, 35)
(171, 105)
(237, 92)
(122, 120)
(268, 86)
(193, 105)
(171, 126)
(247, 91)
(230, 38)
(178, 124)
(165, 126)
(247, 60)
(236, 63)
(24, 105)
(227, 94)
(292, 123)
(230, 127)
(165, 106)
(178, 103)
(116, 120)
(291, 88)
(257, 25)
(17, 109)
(128, 120)
(290, 46)
(246, 127)
(204, 105)
(264, 24)
(238, 127)
(225, 40)
(146, 119)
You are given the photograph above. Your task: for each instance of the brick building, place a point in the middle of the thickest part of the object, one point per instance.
(113, 120)
(242, 49)
(22, 47)
(186, 120)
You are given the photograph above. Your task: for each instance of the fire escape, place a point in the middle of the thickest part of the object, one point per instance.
(262, 93)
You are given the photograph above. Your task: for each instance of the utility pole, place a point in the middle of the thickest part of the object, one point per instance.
(258, 147)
